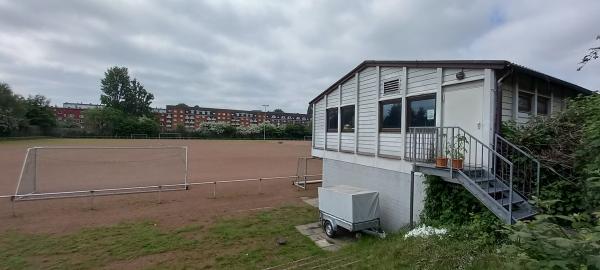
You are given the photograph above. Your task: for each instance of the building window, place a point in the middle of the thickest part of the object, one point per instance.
(390, 115)
(525, 101)
(332, 120)
(347, 115)
(543, 105)
(421, 111)
(391, 87)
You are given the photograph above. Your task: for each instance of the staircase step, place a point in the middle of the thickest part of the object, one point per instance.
(523, 214)
(483, 179)
(505, 201)
(492, 186)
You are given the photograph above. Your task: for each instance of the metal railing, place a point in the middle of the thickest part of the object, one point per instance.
(303, 176)
(527, 167)
(466, 155)
(92, 193)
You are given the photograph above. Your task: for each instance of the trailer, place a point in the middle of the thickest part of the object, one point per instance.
(351, 208)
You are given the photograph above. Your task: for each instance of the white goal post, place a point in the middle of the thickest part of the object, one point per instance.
(169, 135)
(139, 136)
(73, 171)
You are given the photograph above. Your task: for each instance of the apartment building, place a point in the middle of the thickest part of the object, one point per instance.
(74, 112)
(64, 114)
(191, 117)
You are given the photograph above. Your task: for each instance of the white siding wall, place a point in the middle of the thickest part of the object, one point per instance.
(319, 123)
(422, 80)
(390, 144)
(332, 141)
(470, 74)
(507, 101)
(557, 104)
(367, 118)
(556, 94)
(387, 74)
(347, 141)
(333, 99)
(349, 92)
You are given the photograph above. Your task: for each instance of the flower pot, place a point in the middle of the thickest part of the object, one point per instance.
(441, 162)
(457, 164)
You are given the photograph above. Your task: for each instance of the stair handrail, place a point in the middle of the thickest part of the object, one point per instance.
(497, 138)
(454, 130)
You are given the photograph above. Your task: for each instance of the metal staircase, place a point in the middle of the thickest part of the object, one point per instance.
(495, 180)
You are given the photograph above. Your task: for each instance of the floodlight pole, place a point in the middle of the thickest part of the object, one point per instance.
(264, 123)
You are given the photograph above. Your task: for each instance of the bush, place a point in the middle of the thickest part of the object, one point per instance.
(547, 243)
(452, 206)
(567, 143)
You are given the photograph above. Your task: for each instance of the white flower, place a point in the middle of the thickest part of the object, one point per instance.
(425, 231)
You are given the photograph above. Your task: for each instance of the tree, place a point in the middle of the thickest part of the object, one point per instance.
(12, 110)
(39, 112)
(278, 111)
(121, 93)
(103, 121)
(593, 53)
(138, 100)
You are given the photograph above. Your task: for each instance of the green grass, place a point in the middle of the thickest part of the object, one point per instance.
(231, 243)
(247, 242)
(395, 252)
(87, 248)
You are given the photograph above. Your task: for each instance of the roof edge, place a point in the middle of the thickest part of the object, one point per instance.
(491, 64)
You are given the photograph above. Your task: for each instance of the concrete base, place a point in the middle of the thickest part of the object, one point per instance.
(316, 233)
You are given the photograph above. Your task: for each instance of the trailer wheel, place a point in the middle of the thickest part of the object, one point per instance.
(329, 230)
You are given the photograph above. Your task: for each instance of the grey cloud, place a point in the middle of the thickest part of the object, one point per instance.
(247, 53)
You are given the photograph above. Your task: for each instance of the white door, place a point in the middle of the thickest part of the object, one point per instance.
(463, 107)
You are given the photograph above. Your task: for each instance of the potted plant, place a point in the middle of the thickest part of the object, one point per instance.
(441, 161)
(457, 150)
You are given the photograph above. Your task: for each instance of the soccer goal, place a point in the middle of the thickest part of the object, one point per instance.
(139, 136)
(59, 172)
(169, 135)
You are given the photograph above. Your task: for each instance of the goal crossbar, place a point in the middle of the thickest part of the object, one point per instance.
(29, 172)
(139, 135)
(169, 135)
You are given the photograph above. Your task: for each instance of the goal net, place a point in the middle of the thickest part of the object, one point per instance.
(55, 172)
(169, 135)
(139, 136)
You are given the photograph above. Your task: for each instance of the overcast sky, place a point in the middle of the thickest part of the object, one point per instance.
(241, 54)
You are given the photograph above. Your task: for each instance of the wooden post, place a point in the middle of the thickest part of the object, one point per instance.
(159, 194)
(12, 205)
(214, 196)
(91, 200)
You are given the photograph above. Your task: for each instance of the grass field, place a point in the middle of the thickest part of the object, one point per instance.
(247, 242)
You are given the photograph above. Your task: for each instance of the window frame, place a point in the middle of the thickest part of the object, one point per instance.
(531, 98)
(327, 128)
(546, 104)
(349, 130)
(417, 98)
(381, 118)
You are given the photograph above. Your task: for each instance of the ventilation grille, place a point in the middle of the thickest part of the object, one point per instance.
(392, 86)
